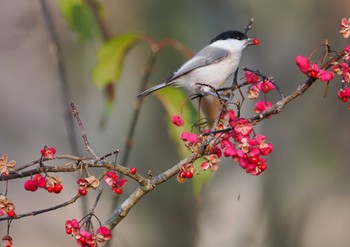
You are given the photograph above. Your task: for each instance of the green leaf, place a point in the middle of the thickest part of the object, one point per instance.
(79, 18)
(172, 99)
(111, 56)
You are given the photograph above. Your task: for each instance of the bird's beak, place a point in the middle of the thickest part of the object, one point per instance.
(252, 41)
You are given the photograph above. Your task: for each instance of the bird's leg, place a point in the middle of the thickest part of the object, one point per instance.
(195, 96)
(234, 85)
(212, 92)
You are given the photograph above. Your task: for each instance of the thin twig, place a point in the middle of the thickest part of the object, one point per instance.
(83, 134)
(96, 201)
(265, 77)
(249, 26)
(116, 152)
(33, 213)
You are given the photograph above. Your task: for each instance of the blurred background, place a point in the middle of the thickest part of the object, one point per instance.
(303, 199)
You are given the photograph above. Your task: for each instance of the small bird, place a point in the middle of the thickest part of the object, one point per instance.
(210, 67)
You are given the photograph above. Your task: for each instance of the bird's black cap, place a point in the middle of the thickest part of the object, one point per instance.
(230, 35)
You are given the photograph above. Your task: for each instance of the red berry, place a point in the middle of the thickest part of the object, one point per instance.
(189, 174)
(80, 181)
(69, 231)
(133, 170)
(245, 157)
(82, 239)
(254, 159)
(313, 74)
(117, 190)
(37, 177)
(262, 166)
(57, 188)
(11, 213)
(83, 192)
(183, 174)
(50, 189)
(256, 41)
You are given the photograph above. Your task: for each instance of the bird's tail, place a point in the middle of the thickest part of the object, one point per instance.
(152, 89)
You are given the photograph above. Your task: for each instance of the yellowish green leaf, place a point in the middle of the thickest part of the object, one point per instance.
(172, 99)
(111, 56)
(80, 18)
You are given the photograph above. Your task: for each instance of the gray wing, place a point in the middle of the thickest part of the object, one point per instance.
(207, 55)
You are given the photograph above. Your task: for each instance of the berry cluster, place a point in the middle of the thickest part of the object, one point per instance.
(244, 146)
(85, 184)
(238, 142)
(186, 172)
(87, 238)
(312, 70)
(112, 179)
(340, 68)
(257, 84)
(51, 184)
(7, 206)
(343, 69)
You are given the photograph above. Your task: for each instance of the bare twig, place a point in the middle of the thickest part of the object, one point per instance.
(265, 77)
(83, 134)
(33, 213)
(249, 26)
